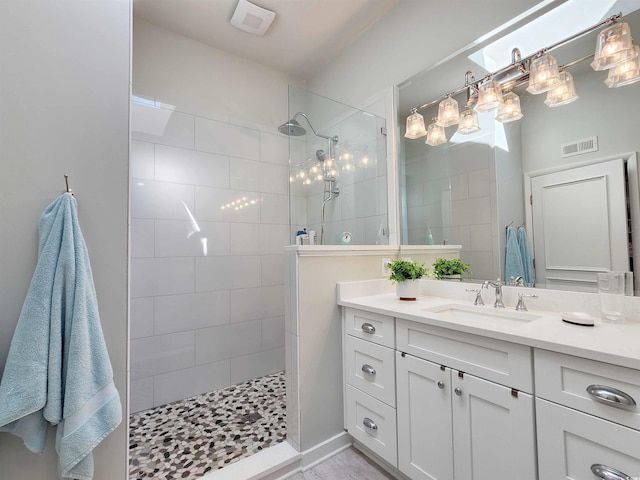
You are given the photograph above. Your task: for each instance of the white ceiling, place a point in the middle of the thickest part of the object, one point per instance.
(305, 35)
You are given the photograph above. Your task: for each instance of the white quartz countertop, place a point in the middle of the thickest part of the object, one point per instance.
(612, 343)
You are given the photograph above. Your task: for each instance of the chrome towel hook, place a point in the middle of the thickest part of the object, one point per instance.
(66, 182)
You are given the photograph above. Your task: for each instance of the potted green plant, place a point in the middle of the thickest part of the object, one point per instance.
(405, 274)
(450, 268)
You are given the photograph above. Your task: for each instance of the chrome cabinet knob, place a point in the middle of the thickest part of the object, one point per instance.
(370, 424)
(440, 384)
(610, 396)
(368, 369)
(457, 391)
(608, 473)
(368, 328)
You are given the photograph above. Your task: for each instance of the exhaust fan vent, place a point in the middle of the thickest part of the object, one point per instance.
(252, 18)
(579, 147)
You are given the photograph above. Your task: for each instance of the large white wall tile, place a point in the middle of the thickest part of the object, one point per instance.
(257, 365)
(161, 276)
(141, 394)
(214, 205)
(143, 199)
(272, 270)
(272, 333)
(173, 386)
(273, 178)
(264, 302)
(141, 160)
(479, 183)
(174, 201)
(162, 126)
(225, 139)
(227, 272)
(246, 238)
(161, 354)
(480, 238)
(176, 313)
(274, 238)
(176, 238)
(245, 175)
(274, 148)
(142, 237)
(141, 317)
(228, 341)
(471, 212)
(179, 165)
(274, 208)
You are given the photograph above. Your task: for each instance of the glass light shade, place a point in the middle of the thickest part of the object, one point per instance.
(625, 73)
(613, 46)
(489, 96)
(510, 109)
(415, 126)
(468, 122)
(563, 93)
(448, 112)
(543, 74)
(435, 135)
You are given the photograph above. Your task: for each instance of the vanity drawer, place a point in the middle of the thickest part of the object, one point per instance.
(506, 363)
(565, 379)
(369, 326)
(373, 424)
(571, 442)
(371, 368)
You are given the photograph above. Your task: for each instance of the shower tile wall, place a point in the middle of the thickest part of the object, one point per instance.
(207, 308)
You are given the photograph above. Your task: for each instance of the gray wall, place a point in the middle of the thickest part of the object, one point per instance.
(64, 109)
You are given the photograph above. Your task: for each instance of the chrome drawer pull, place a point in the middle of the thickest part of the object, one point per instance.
(608, 473)
(368, 328)
(368, 369)
(610, 396)
(367, 422)
(457, 391)
(440, 384)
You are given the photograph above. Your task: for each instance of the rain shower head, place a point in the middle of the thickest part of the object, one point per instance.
(292, 128)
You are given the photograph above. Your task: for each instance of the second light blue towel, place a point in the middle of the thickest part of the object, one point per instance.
(513, 260)
(525, 253)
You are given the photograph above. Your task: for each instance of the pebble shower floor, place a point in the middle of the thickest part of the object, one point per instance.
(189, 438)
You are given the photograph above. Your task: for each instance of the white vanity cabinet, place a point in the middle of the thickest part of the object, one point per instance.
(455, 425)
(588, 418)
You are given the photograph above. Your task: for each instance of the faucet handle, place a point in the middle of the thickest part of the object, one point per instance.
(520, 306)
(478, 291)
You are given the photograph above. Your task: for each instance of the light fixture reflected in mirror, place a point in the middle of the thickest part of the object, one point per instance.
(448, 112)
(510, 108)
(543, 74)
(435, 134)
(625, 73)
(614, 45)
(489, 96)
(415, 125)
(468, 121)
(563, 93)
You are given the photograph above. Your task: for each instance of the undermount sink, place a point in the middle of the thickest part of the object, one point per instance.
(472, 313)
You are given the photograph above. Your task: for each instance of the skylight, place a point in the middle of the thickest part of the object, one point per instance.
(545, 30)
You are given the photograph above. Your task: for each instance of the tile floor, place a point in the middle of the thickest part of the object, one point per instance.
(189, 438)
(349, 464)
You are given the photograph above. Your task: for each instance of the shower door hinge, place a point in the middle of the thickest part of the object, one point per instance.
(383, 131)
(530, 199)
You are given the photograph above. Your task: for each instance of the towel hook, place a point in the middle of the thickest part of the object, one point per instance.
(66, 182)
(507, 227)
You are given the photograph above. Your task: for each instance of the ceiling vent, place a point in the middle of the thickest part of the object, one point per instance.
(252, 18)
(579, 147)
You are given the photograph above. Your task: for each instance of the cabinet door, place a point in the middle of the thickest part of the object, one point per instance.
(425, 445)
(494, 431)
(571, 442)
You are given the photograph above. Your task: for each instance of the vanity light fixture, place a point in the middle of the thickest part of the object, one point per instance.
(625, 73)
(543, 74)
(510, 108)
(468, 121)
(435, 134)
(613, 46)
(415, 125)
(563, 93)
(448, 112)
(489, 96)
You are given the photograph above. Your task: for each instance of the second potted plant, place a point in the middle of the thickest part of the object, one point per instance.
(405, 274)
(450, 269)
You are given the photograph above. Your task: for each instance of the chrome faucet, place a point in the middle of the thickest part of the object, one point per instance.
(498, 286)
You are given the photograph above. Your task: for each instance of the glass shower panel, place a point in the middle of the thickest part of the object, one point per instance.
(338, 172)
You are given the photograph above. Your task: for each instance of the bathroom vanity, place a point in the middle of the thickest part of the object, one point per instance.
(441, 389)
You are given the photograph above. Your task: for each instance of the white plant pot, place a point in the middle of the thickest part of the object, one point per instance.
(408, 290)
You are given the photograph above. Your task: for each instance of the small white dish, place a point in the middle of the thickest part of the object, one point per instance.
(578, 318)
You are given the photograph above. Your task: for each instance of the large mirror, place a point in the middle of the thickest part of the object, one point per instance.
(565, 176)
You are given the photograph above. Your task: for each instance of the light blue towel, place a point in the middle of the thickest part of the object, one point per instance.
(513, 261)
(527, 263)
(58, 369)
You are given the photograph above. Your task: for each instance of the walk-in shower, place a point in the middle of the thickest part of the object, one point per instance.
(293, 128)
